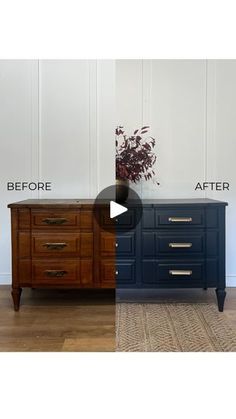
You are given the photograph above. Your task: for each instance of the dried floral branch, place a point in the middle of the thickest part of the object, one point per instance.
(134, 155)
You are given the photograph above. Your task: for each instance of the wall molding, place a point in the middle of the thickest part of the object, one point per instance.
(93, 129)
(231, 280)
(210, 165)
(106, 123)
(146, 97)
(205, 148)
(5, 278)
(35, 176)
(146, 91)
(39, 102)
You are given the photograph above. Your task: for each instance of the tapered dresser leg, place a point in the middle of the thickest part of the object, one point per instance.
(220, 293)
(16, 293)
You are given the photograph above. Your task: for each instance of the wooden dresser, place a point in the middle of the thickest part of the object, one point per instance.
(59, 244)
(177, 244)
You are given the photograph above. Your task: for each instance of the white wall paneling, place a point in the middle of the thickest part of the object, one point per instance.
(106, 123)
(65, 127)
(129, 97)
(221, 146)
(93, 129)
(77, 108)
(18, 143)
(56, 124)
(170, 96)
(190, 106)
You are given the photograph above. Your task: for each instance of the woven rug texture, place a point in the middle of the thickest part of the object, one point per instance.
(175, 327)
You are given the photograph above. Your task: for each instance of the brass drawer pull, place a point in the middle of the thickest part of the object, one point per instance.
(55, 273)
(55, 221)
(180, 219)
(55, 246)
(180, 272)
(180, 245)
(117, 272)
(117, 244)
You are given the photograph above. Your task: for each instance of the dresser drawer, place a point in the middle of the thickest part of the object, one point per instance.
(62, 272)
(173, 273)
(125, 244)
(125, 272)
(126, 220)
(119, 244)
(104, 217)
(179, 217)
(54, 219)
(51, 219)
(173, 218)
(55, 272)
(68, 244)
(154, 244)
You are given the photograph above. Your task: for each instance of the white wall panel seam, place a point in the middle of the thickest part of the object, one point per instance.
(206, 126)
(98, 78)
(39, 123)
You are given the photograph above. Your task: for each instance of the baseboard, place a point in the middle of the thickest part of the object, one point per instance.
(231, 281)
(5, 279)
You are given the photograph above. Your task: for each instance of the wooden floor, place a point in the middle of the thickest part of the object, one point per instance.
(52, 320)
(70, 320)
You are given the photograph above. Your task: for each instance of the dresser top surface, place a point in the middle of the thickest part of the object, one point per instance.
(65, 203)
(78, 203)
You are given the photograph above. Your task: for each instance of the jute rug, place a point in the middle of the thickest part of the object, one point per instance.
(175, 327)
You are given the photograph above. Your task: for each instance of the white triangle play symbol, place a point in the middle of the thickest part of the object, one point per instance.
(116, 209)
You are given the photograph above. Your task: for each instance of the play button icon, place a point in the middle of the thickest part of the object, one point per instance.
(116, 209)
(113, 215)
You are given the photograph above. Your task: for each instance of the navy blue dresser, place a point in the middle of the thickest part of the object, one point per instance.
(177, 244)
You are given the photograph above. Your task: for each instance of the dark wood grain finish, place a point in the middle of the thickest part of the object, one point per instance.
(107, 244)
(52, 219)
(86, 220)
(61, 272)
(24, 273)
(57, 244)
(105, 249)
(24, 218)
(54, 203)
(107, 272)
(24, 244)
